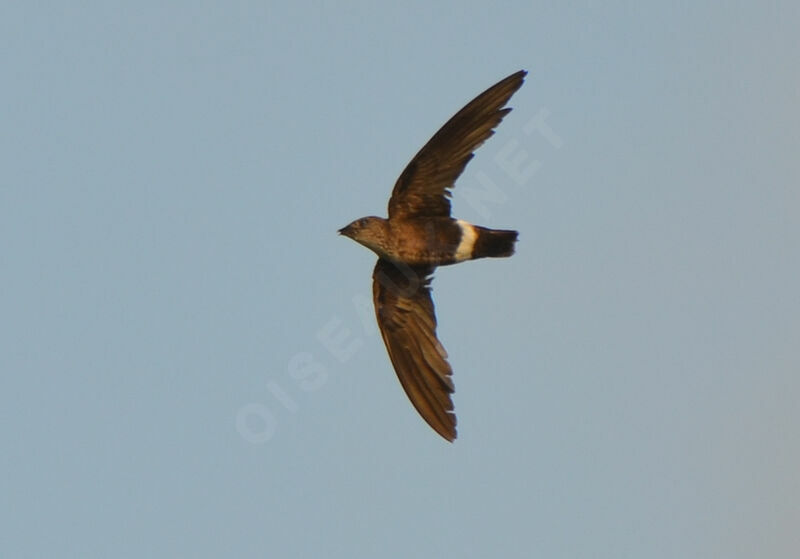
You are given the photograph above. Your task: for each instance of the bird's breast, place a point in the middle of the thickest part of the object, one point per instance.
(429, 241)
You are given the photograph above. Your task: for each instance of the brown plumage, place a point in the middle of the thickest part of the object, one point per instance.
(419, 235)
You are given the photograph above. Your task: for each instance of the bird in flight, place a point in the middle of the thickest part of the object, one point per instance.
(420, 235)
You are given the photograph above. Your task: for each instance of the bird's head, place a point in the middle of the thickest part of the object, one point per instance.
(368, 231)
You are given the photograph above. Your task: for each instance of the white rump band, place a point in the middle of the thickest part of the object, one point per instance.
(467, 243)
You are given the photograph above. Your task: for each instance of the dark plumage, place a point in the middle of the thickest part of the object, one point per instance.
(419, 235)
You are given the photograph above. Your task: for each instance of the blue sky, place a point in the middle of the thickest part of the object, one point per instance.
(189, 364)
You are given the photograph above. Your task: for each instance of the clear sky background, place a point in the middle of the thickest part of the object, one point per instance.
(189, 365)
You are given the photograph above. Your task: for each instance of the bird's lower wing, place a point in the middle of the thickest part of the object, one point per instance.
(407, 323)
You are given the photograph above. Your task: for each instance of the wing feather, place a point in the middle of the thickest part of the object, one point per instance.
(407, 322)
(423, 187)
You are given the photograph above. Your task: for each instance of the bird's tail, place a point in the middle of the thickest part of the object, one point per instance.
(494, 243)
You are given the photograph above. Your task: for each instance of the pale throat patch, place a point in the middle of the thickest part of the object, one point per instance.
(467, 243)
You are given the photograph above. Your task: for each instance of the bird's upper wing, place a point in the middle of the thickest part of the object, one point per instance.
(407, 322)
(421, 189)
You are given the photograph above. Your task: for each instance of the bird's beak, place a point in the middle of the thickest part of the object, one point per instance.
(345, 231)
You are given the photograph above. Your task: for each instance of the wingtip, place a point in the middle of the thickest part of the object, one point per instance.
(447, 431)
(514, 80)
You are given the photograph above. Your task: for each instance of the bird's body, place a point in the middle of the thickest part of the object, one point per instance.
(436, 241)
(420, 235)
